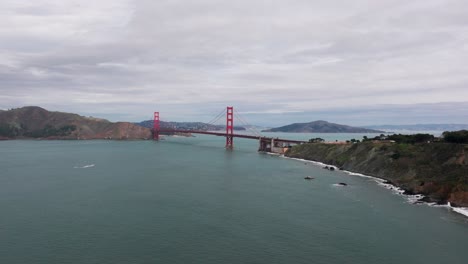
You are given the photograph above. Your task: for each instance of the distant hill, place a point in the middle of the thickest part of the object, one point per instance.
(36, 122)
(421, 127)
(186, 126)
(321, 126)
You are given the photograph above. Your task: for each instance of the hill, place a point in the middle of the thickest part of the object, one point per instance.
(321, 126)
(36, 122)
(186, 126)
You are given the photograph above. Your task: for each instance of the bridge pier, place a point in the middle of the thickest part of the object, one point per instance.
(265, 144)
(262, 145)
(275, 145)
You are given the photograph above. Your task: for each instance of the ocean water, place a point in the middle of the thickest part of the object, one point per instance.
(188, 200)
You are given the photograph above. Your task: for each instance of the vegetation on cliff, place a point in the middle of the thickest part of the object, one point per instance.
(456, 136)
(437, 170)
(406, 139)
(459, 137)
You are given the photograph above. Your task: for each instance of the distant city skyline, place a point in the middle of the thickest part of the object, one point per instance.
(358, 63)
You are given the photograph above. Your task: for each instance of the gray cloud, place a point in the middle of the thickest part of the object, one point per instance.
(123, 59)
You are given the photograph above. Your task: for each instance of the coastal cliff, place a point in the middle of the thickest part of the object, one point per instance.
(437, 170)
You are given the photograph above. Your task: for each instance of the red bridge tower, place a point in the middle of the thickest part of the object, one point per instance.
(229, 127)
(156, 126)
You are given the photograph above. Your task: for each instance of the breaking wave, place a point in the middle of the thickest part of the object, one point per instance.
(460, 210)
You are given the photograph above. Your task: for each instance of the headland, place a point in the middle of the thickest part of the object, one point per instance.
(438, 170)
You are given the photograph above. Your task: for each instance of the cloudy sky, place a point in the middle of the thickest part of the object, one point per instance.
(355, 62)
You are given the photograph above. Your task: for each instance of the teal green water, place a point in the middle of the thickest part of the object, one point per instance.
(188, 200)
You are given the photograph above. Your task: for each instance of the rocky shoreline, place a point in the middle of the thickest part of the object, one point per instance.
(439, 172)
(414, 198)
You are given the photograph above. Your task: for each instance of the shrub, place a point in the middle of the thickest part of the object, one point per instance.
(456, 136)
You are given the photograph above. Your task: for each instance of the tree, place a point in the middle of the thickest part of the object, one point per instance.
(316, 140)
(460, 137)
(411, 139)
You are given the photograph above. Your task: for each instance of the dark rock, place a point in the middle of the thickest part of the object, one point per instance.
(341, 168)
(426, 199)
(409, 192)
(332, 168)
(342, 184)
(326, 167)
(308, 178)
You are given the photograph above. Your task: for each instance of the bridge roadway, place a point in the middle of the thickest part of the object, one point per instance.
(221, 134)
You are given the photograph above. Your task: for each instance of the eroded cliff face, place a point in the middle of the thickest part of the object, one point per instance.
(437, 170)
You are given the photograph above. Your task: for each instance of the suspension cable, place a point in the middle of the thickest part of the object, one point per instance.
(216, 118)
(250, 127)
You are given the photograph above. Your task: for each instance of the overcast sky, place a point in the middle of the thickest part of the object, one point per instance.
(355, 62)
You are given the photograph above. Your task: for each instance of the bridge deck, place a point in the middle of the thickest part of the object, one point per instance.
(220, 134)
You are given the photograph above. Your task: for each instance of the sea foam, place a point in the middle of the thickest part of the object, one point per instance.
(460, 210)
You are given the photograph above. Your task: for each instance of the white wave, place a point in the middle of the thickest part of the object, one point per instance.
(460, 210)
(390, 187)
(84, 167)
(440, 205)
(414, 198)
(361, 175)
(339, 185)
(306, 161)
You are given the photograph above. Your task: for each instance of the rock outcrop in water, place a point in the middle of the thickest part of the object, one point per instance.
(437, 170)
(36, 122)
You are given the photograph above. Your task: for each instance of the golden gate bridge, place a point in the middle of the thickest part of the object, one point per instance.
(266, 144)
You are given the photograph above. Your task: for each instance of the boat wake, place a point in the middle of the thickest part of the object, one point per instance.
(84, 167)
